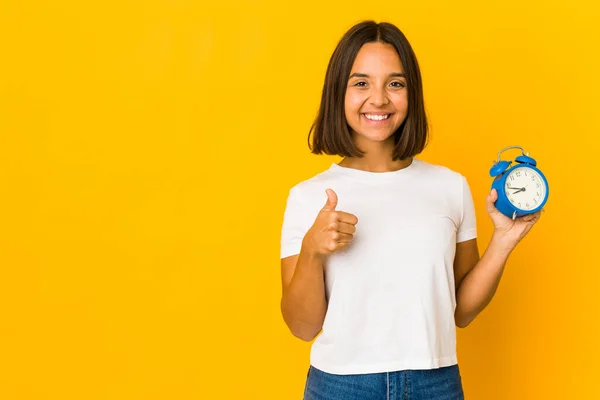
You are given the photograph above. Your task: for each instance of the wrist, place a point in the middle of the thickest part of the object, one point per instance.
(309, 250)
(502, 242)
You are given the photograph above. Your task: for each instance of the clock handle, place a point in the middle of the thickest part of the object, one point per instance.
(510, 147)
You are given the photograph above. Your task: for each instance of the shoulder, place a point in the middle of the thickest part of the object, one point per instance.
(308, 196)
(314, 186)
(440, 174)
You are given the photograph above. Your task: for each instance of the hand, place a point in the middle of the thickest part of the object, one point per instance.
(332, 230)
(504, 227)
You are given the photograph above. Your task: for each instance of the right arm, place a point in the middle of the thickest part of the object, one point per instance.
(303, 302)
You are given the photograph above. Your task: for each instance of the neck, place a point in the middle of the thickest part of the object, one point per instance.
(375, 164)
(377, 158)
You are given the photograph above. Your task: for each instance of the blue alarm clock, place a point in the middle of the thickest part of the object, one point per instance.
(522, 189)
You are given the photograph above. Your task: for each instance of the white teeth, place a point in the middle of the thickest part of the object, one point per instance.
(377, 117)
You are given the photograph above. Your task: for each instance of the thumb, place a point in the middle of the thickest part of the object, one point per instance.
(491, 199)
(332, 201)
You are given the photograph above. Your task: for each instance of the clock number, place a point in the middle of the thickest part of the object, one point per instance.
(512, 177)
(518, 174)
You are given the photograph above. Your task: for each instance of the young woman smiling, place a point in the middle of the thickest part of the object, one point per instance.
(379, 252)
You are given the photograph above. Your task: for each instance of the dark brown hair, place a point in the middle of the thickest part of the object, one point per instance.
(332, 134)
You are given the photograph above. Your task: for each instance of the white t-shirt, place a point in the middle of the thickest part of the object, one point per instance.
(391, 295)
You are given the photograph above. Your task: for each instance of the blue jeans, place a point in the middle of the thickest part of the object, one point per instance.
(432, 384)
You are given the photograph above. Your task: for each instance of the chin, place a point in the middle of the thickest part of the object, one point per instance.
(374, 132)
(375, 137)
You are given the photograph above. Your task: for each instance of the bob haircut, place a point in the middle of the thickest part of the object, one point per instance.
(332, 135)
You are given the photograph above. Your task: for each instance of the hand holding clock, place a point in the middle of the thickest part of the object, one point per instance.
(514, 216)
(509, 230)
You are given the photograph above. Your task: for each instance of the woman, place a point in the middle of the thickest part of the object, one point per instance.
(379, 251)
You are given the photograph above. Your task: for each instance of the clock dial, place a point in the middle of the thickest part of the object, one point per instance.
(525, 188)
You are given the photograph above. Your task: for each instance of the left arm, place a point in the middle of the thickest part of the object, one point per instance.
(477, 279)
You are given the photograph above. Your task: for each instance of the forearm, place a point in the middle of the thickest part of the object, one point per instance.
(303, 303)
(479, 286)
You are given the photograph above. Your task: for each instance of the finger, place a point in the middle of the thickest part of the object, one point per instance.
(341, 227)
(342, 245)
(347, 217)
(532, 217)
(345, 227)
(490, 199)
(332, 201)
(344, 237)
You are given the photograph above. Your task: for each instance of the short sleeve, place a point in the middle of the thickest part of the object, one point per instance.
(468, 224)
(295, 224)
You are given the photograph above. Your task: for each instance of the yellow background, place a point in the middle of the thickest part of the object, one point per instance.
(147, 149)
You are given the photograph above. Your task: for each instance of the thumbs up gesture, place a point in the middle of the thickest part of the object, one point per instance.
(332, 230)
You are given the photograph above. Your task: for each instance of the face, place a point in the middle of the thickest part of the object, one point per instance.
(525, 188)
(376, 100)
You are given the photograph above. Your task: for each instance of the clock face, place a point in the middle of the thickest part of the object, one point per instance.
(525, 188)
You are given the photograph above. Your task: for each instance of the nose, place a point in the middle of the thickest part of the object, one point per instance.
(379, 97)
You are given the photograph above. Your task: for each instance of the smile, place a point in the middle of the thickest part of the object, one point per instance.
(373, 117)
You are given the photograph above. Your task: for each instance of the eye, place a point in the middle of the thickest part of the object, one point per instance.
(359, 84)
(399, 84)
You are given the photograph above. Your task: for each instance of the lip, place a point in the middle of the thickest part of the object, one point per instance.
(378, 113)
(376, 123)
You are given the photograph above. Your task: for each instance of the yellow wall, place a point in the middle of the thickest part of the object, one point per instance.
(147, 149)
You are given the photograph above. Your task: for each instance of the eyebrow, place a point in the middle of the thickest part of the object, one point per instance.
(361, 75)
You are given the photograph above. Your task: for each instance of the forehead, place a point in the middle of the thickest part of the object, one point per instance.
(377, 56)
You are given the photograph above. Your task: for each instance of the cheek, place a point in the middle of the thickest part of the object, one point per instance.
(400, 102)
(353, 104)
